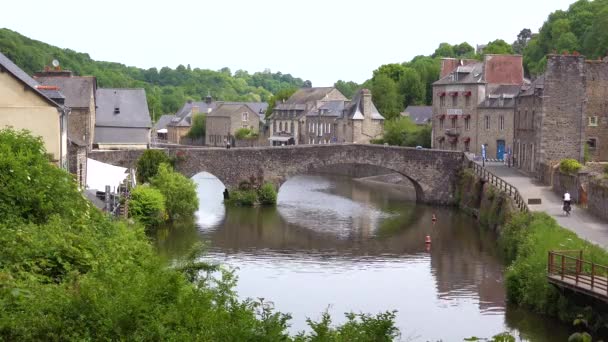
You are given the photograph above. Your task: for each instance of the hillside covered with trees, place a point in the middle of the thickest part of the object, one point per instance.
(167, 89)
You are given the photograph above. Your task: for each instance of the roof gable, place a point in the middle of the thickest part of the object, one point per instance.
(78, 91)
(122, 108)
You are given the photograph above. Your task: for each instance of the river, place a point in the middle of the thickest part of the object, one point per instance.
(337, 244)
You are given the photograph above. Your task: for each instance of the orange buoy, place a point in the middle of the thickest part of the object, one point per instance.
(427, 240)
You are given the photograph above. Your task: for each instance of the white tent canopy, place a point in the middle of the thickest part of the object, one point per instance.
(101, 174)
(162, 130)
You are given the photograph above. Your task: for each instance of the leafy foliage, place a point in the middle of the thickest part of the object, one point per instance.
(279, 96)
(198, 128)
(347, 89)
(245, 133)
(267, 194)
(402, 131)
(250, 194)
(569, 166)
(181, 200)
(147, 205)
(69, 273)
(167, 89)
(148, 163)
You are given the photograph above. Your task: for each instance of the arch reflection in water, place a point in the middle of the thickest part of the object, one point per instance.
(210, 192)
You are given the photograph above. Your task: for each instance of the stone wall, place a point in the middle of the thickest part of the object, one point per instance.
(433, 173)
(79, 122)
(596, 73)
(598, 198)
(572, 183)
(77, 162)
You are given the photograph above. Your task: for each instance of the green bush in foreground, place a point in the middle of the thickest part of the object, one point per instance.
(569, 166)
(526, 241)
(267, 194)
(69, 273)
(181, 200)
(147, 205)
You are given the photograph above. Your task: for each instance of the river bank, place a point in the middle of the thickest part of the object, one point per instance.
(525, 240)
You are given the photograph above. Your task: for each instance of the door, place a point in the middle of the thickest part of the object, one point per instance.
(500, 149)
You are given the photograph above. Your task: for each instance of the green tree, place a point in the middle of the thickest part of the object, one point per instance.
(281, 95)
(147, 205)
(179, 191)
(386, 96)
(348, 89)
(444, 50)
(412, 88)
(402, 131)
(523, 38)
(464, 50)
(498, 47)
(147, 165)
(198, 128)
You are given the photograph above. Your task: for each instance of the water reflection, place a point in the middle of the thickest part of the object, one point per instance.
(358, 247)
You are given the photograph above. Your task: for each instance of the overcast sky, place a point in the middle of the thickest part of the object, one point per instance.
(323, 41)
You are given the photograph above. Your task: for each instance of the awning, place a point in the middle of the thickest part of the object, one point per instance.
(101, 174)
(162, 130)
(453, 139)
(441, 116)
(467, 93)
(453, 116)
(467, 116)
(441, 138)
(283, 139)
(442, 94)
(467, 139)
(453, 93)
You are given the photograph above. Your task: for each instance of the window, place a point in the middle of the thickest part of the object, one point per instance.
(454, 101)
(533, 115)
(487, 122)
(467, 124)
(467, 146)
(321, 130)
(328, 128)
(245, 116)
(441, 145)
(502, 122)
(526, 120)
(518, 119)
(292, 127)
(593, 121)
(280, 126)
(467, 101)
(592, 143)
(441, 123)
(454, 122)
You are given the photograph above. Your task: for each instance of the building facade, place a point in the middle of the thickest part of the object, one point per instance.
(324, 116)
(563, 114)
(226, 119)
(473, 104)
(26, 104)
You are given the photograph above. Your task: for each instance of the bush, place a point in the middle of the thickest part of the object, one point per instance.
(147, 205)
(148, 163)
(243, 198)
(198, 128)
(569, 166)
(245, 133)
(402, 131)
(181, 200)
(267, 194)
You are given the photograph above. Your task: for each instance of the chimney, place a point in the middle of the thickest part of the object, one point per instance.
(448, 65)
(194, 110)
(366, 103)
(48, 72)
(504, 69)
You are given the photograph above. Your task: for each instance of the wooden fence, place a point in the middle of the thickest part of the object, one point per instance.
(568, 269)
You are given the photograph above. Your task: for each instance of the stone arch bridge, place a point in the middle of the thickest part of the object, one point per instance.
(434, 173)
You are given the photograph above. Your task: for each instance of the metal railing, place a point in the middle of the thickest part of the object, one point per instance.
(501, 185)
(570, 266)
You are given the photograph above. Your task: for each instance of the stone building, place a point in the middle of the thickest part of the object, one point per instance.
(180, 124)
(561, 112)
(26, 104)
(473, 104)
(420, 115)
(323, 116)
(223, 122)
(79, 92)
(122, 119)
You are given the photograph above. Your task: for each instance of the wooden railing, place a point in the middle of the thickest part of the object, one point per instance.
(501, 185)
(569, 267)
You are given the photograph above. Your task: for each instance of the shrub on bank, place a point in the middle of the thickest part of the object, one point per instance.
(249, 196)
(526, 241)
(181, 199)
(147, 205)
(148, 163)
(267, 194)
(570, 166)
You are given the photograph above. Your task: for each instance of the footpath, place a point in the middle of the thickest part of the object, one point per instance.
(580, 221)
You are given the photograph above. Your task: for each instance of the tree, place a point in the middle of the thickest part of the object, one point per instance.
(148, 163)
(464, 50)
(498, 47)
(402, 131)
(348, 89)
(245, 133)
(444, 50)
(147, 205)
(386, 96)
(198, 128)
(179, 191)
(281, 95)
(411, 88)
(523, 38)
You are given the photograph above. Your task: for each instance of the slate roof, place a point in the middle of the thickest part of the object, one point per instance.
(354, 110)
(163, 121)
(183, 117)
(330, 108)
(77, 89)
(529, 89)
(13, 69)
(305, 95)
(227, 109)
(131, 104)
(467, 74)
(419, 114)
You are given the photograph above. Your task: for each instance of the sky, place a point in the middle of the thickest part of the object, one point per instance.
(322, 41)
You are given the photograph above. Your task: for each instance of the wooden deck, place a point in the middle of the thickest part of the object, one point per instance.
(567, 269)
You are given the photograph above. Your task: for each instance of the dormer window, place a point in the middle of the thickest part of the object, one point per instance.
(116, 110)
